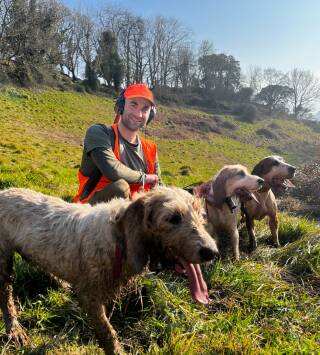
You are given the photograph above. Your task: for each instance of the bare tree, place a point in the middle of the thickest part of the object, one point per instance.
(88, 39)
(5, 53)
(184, 67)
(205, 48)
(88, 49)
(129, 30)
(273, 76)
(254, 78)
(165, 36)
(305, 91)
(4, 18)
(71, 33)
(138, 55)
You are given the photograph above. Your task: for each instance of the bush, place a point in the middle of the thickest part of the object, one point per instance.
(266, 133)
(14, 92)
(4, 79)
(229, 125)
(79, 88)
(246, 112)
(315, 125)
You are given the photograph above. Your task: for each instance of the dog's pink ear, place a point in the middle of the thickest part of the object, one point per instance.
(203, 190)
(213, 191)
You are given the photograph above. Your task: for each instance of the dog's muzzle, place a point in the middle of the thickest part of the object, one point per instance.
(207, 254)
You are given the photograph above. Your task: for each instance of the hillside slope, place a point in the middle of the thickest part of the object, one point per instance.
(42, 134)
(266, 303)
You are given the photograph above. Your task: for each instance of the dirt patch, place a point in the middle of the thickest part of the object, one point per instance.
(57, 135)
(304, 199)
(182, 125)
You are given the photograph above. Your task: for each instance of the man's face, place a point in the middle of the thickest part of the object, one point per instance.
(136, 112)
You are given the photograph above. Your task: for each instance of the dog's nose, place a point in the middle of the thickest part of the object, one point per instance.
(292, 169)
(207, 254)
(260, 181)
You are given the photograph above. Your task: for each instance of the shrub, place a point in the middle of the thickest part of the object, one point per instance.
(229, 125)
(16, 93)
(79, 88)
(246, 112)
(266, 133)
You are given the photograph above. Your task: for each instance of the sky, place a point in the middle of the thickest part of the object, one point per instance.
(281, 34)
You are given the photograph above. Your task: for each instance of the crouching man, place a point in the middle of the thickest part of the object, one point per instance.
(116, 161)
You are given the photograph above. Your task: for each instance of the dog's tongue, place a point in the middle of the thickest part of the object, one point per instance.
(282, 182)
(246, 194)
(288, 183)
(253, 197)
(197, 285)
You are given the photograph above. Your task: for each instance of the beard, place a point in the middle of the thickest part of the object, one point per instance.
(131, 124)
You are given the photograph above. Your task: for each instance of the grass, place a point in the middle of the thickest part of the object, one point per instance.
(204, 158)
(267, 303)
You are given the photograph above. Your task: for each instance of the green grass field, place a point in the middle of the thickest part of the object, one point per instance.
(267, 303)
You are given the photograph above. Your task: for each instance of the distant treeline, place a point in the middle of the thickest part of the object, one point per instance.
(42, 42)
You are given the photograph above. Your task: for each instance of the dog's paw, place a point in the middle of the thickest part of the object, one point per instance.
(18, 335)
(117, 350)
(252, 247)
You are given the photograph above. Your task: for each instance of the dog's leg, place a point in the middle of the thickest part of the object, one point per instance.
(13, 328)
(252, 236)
(235, 243)
(106, 335)
(273, 224)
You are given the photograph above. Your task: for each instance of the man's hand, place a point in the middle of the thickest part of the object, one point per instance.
(151, 179)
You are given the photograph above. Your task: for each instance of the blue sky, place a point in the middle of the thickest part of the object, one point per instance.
(282, 34)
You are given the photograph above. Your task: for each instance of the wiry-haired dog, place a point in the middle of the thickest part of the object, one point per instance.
(97, 249)
(232, 181)
(276, 174)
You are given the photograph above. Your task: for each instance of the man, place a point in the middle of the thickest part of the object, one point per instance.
(116, 162)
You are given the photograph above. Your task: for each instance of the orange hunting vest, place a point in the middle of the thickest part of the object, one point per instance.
(149, 150)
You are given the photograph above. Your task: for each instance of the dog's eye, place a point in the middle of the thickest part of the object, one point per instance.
(276, 163)
(241, 173)
(174, 219)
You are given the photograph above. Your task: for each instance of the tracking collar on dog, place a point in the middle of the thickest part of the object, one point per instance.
(231, 204)
(265, 187)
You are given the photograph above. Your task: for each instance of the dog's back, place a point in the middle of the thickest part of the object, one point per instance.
(264, 205)
(38, 227)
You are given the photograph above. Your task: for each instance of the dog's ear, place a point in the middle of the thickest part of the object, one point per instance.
(145, 207)
(149, 218)
(131, 227)
(262, 168)
(217, 193)
(203, 190)
(135, 212)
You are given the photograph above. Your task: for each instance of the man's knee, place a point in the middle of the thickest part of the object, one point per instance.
(121, 188)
